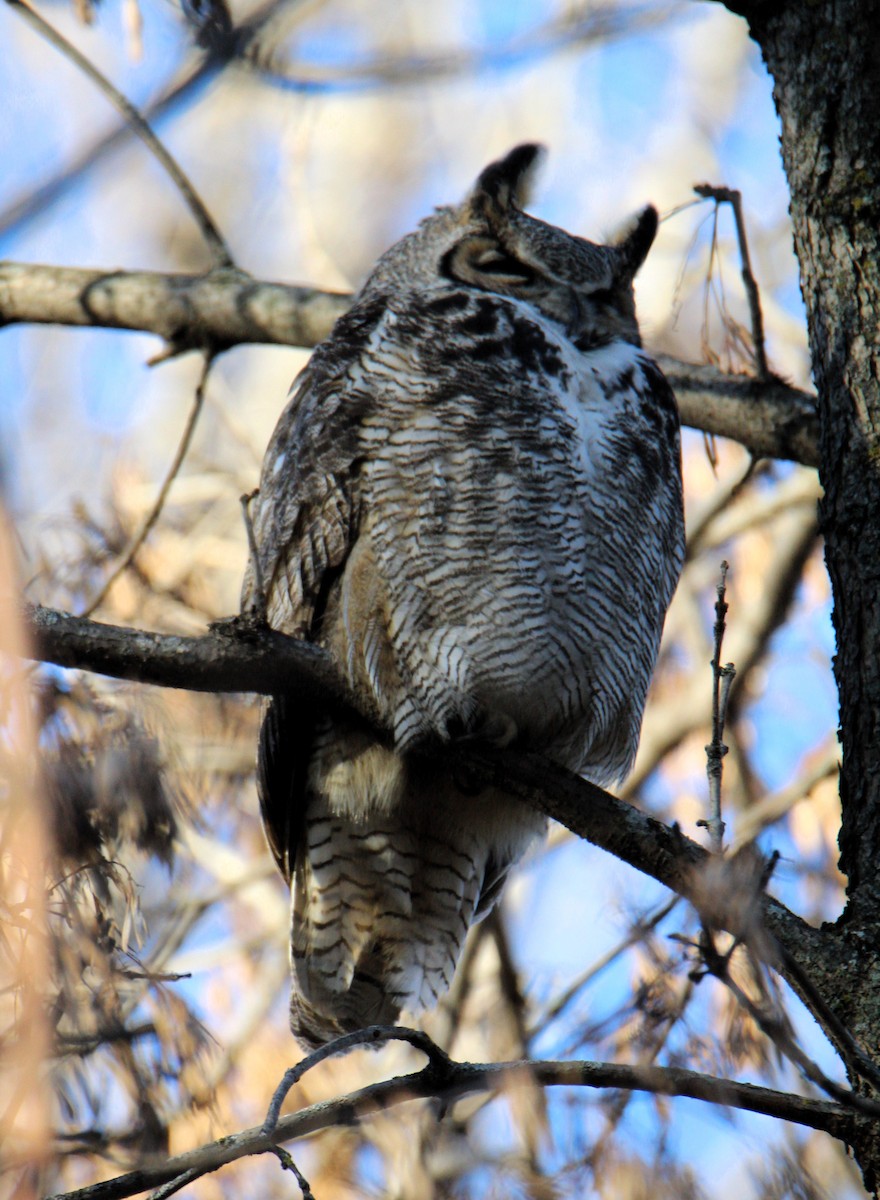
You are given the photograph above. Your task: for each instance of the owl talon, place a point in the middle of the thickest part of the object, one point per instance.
(498, 730)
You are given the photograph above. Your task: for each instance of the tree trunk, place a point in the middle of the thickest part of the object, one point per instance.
(824, 58)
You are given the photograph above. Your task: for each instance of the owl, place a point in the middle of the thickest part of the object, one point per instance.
(472, 502)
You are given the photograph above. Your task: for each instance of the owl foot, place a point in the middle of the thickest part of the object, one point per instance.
(497, 730)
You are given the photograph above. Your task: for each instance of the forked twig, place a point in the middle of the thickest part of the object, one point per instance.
(140, 535)
(210, 232)
(733, 197)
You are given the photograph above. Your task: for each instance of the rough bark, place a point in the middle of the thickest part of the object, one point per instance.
(824, 58)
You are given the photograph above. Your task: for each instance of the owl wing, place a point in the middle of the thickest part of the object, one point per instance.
(305, 521)
(305, 524)
(304, 517)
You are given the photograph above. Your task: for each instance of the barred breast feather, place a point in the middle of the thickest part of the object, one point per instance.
(473, 501)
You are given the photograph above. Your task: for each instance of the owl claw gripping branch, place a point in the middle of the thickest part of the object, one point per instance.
(473, 501)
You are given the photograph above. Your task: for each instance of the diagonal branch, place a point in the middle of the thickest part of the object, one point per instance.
(204, 220)
(225, 308)
(224, 48)
(143, 531)
(240, 657)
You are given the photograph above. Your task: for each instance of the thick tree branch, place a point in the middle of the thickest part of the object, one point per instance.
(227, 307)
(233, 657)
(462, 1079)
(214, 311)
(767, 416)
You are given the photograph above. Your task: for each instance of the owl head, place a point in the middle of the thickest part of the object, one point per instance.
(491, 244)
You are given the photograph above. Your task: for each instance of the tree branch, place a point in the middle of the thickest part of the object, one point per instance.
(235, 656)
(462, 1079)
(767, 416)
(214, 311)
(240, 657)
(227, 307)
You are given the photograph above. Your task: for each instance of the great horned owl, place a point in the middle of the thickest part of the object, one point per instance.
(473, 501)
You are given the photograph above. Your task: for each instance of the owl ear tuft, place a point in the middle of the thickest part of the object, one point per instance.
(506, 184)
(634, 239)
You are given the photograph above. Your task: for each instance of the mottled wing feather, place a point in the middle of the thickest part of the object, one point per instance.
(306, 513)
(305, 525)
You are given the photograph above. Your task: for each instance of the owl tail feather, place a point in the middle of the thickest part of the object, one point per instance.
(380, 911)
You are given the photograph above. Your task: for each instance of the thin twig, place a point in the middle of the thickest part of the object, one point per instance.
(210, 232)
(259, 605)
(722, 678)
(636, 934)
(733, 197)
(287, 1164)
(141, 534)
(722, 499)
(220, 56)
(175, 1185)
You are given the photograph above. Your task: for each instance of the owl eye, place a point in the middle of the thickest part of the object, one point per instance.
(495, 262)
(483, 263)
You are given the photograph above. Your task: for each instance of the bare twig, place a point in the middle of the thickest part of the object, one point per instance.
(259, 606)
(733, 197)
(287, 1164)
(175, 1185)
(210, 232)
(221, 53)
(719, 502)
(140, 535)
(722, 678)
(635, 935)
